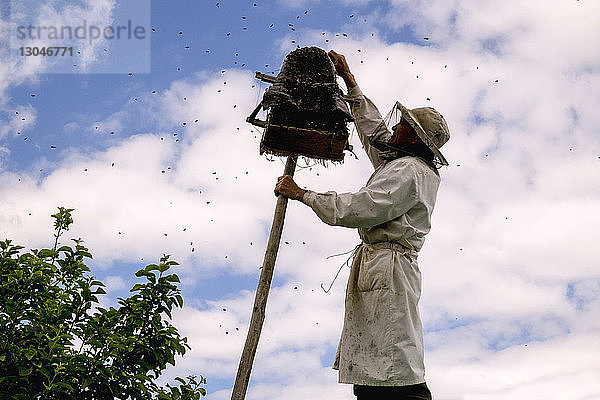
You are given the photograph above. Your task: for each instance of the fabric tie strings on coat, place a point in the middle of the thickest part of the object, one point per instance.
(346, 263)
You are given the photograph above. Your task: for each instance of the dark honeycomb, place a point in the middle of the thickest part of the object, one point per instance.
(306, 94)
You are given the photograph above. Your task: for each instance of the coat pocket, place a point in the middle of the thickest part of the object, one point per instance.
(375, 270)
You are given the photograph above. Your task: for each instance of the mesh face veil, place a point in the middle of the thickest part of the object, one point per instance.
(429, 124)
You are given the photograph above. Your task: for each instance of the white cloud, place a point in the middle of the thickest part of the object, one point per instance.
(563, 368)
(114, 283)
(19, 121)
(113, 124)
(147, 186)
(297, 4)
(15, 70)
(4, 152)
(50, 14)
(26, 69)
(71, 126)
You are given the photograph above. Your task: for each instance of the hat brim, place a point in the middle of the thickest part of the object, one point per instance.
(410, 118)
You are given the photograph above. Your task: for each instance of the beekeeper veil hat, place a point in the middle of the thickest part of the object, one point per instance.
(430, 126)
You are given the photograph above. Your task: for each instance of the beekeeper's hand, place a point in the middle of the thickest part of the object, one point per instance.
(287, 187)
(342, 68)
(339, 62)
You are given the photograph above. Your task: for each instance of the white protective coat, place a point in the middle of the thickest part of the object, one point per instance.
(382, 340)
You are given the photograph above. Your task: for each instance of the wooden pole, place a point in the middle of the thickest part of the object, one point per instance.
(262, 292)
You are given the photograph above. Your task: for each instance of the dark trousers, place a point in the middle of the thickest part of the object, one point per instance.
(412, 392)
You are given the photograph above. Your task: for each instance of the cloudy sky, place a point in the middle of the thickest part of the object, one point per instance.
(156, 157)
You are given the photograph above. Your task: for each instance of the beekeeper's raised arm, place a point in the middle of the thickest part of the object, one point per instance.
(368, 120)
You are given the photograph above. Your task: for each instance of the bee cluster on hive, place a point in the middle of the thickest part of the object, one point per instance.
(307, 113)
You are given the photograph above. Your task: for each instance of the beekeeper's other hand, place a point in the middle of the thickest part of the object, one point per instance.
(342, 68)
(287, 187)
(340, 64)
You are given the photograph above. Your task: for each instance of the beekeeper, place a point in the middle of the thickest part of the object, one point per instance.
(381, 345)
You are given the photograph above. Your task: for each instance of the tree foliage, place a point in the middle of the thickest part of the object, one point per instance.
(57, 343)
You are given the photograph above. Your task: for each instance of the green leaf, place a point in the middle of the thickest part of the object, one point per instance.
(25, 371)
(46, 253)
(163, 267)
(136, 287)
(151, 267)
(85, 254)
(86, 382)
(30, 353)
(172, 278)
(64, 385)
(142, 272)
(44, 372)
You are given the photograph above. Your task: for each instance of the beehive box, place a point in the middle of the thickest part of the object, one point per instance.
(284, 140)
(306, 112)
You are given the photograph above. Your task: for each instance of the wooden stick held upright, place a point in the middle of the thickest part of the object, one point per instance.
(262, 292)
